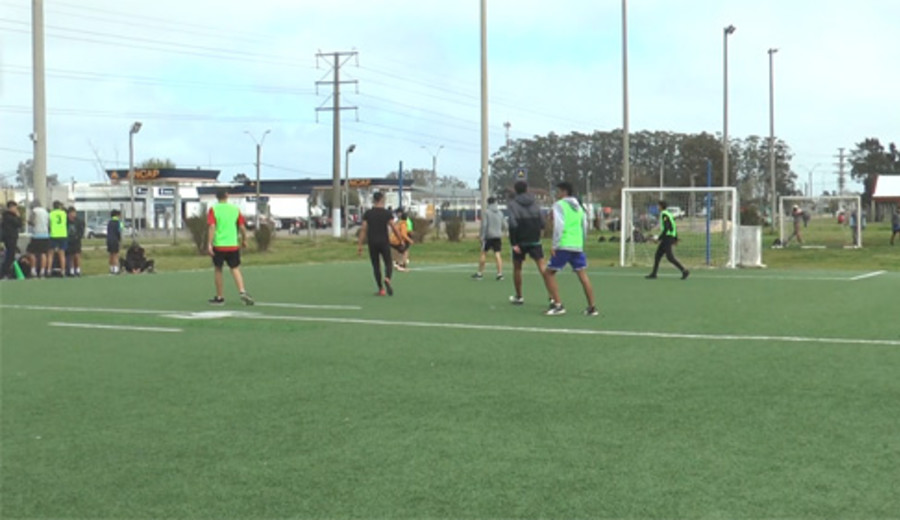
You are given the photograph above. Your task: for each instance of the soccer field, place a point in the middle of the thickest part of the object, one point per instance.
(734, 394)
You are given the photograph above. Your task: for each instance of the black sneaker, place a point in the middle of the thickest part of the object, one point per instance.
(499, 277)
(247, 299)
(388, 288)
(216, 301)
(685, 274)
(591, 311)
(478, 276)
(555, 309)
(650, 277)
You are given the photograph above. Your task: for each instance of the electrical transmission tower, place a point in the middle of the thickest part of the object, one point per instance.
(337, 60)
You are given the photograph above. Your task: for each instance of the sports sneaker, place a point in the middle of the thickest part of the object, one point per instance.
(555, 310)
(499, 277)
(216, 301)
(650, 277)
(516, 300)
(247, 299)
(478, 276)
(387, 286)
(380, 292)
(685, 274)
(591, 311)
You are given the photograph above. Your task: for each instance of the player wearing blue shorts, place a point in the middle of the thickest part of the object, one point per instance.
(570, 227)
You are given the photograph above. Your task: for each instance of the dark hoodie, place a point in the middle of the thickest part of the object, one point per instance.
(525, 220)
(11, 226)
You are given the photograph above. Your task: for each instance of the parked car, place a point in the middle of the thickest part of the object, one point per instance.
(95, 230)
(676, 212)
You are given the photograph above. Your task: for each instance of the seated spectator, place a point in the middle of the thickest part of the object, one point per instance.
(136, 261)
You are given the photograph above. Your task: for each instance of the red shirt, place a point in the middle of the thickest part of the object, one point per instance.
(211, 220)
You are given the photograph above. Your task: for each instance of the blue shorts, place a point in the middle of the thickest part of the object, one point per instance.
(577, 259)
(58, 244)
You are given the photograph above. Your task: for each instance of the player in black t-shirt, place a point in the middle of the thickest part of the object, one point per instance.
(375, 225)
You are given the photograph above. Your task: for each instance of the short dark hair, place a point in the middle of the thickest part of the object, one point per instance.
(520, 187)
(377, 196)
(71, 208)
(567, 187)
(57, 204)
(115, 213)
(663, 205)
(221, 194)
(11, 204)
(491, 200)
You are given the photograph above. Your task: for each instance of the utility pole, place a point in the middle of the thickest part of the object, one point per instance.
(39, 137)
(841, 184)
(340, 58)
(507, 125)
(774, 194)
(485, 186)
(626, 140)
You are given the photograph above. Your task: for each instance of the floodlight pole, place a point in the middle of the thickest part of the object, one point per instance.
(135, 128)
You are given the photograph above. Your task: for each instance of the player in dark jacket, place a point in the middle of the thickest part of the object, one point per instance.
(525, 226)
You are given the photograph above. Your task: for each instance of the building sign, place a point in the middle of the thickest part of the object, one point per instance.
(140, 191)
(166, 192)
(170, 174)
(360, 183)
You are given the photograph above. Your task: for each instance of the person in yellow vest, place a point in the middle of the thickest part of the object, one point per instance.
(570, 227)
(668, 237)
(224, 245)
(59, 233)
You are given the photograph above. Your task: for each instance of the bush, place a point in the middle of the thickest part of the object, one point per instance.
(263, 236)
(421, 228)
(199, 232)
(454, 227)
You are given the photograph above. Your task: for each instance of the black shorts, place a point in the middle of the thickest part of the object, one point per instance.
(38, 246)
(232, 258)
(492, 244)
(74, 247)
(112, 247)
(535, 251)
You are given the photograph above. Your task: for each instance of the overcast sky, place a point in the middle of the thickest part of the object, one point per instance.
(199, 73)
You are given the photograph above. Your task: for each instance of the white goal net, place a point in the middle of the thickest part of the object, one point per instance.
(820, 222)
(706, 220)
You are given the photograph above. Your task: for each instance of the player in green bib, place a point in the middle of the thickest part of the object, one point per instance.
(668, 237)
(227, 234)
(59, 233)
(570, 227)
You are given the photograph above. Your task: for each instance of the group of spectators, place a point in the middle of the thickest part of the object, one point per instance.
(55, 247)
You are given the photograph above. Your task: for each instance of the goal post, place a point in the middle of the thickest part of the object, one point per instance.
(706, 219)
(821, 222)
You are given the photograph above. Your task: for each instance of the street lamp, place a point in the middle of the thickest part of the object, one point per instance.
(259, 144)
(726, 32)
(772, 129)
(434, 158)
(135, 128)
(350, 149)
(626, 139)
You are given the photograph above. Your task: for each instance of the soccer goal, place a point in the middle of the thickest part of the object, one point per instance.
(820, 222)
(706, 220)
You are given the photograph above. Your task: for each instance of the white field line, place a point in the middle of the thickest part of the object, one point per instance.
(112, 327)
(529, 270)
(867, 275)
(304, 306)
(511, 329)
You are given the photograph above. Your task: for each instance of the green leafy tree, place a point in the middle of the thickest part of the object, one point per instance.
(868, 160)
(25, 176)
(156, 164)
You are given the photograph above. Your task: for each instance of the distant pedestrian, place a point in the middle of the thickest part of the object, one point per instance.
(492, 227)
(10, 227)
(668, 237)
(114, 240)
(570, 229)
(39, 246)
(797, 215)
(227, 234)
(73, 248)
(376, 222)
(525, 226)
(895, 223)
